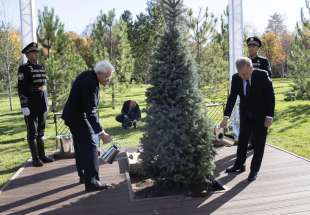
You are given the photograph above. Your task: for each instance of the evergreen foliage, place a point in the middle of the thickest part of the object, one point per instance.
(300, 58)
(176, 142)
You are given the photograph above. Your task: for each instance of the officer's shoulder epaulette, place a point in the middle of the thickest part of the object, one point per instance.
(262, 57)
(261, 72)
(24, 65)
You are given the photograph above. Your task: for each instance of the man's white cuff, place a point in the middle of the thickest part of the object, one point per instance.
(25, 111)
(101, 132)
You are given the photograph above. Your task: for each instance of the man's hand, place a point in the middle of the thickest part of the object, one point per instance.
(106, 138)
(268, 122)
(224, 122)
(26, 111)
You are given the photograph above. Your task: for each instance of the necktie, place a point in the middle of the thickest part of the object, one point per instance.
(247, 88)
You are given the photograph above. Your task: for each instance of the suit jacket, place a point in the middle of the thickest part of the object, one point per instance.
(81, 106)
(262, 63)
(133, 113)
(261, 100)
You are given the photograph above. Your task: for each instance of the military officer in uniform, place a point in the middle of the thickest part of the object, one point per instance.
(33, 99)
(80, 115)
(259, 62)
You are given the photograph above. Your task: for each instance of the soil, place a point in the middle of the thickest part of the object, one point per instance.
(147, 188)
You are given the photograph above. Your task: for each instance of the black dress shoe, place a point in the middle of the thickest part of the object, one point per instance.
(37, 163)
(46, 159)
(252, 176)
(235, 169)
(96, 186)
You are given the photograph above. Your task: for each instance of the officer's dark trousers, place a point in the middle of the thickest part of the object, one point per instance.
(35, 124)
(256, 128)
(86, 153)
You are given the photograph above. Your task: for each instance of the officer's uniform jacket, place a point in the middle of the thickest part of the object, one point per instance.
(262, 63)
(32, 81)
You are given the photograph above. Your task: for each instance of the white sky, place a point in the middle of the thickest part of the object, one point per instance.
(76, 14)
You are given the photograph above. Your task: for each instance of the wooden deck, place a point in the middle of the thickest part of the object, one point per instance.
(282, 187)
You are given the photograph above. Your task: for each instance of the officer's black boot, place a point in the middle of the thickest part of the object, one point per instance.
(41, 150)
(34, 154)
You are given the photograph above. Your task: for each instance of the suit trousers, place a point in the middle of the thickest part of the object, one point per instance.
(255, 129)
(86, 152)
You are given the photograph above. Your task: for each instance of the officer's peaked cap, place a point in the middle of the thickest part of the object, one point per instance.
(31, 47)
(254, 41)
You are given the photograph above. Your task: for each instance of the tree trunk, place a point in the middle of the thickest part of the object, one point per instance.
(10, 90)
(54, 96)
(8, 72)
(113, 86)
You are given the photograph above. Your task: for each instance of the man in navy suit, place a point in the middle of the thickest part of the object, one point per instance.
(257, 102)
(80, 115)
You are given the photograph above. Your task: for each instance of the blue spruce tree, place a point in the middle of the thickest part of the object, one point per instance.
(176, 142)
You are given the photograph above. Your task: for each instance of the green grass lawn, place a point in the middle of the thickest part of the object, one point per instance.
(289, 130)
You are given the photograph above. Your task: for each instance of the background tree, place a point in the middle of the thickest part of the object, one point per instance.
(176, 142)
(124, 58)
(202, 29)
(143, 36)
(83, 47)
(10, 58)
(276, 24)
(221, 37)
(50, 29)
(300, 56)
(105, 42)
(276, 35)
(10, 54)
(215, 71)
(273, 50)
(60, 57)
(286, 42)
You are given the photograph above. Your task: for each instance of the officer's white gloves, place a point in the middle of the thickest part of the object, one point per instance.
(26, 111)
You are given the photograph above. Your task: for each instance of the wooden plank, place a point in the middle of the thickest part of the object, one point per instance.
(282, 187)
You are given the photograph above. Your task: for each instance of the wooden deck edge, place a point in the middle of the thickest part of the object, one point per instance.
(14, 176)
(130, 191)
(288, 152)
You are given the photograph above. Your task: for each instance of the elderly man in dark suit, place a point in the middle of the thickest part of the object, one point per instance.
(257, 102)
(80, 115)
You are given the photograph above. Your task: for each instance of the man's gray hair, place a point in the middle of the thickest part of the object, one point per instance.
(103, 66)
(243, 61)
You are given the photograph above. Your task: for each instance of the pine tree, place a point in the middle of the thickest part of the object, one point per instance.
(176, 141)
(59, 56)
(300, 56)
(125, 60)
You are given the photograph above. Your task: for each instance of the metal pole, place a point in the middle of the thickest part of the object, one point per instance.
(235, 50)
(27, 22)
